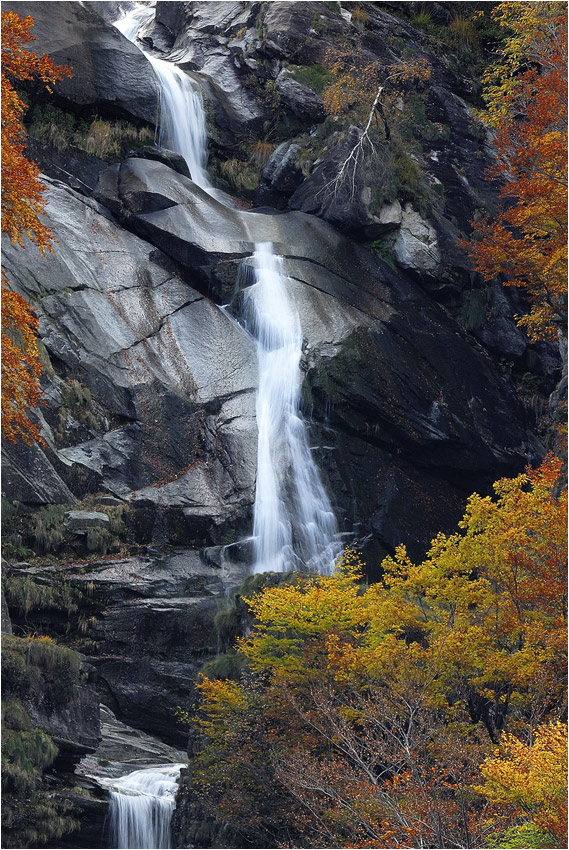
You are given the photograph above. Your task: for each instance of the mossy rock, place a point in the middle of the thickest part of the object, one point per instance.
(229, 665)
(33, 670)
(30, 665)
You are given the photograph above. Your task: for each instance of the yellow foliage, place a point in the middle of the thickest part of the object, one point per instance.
(487, 606)
(532, 778)
(370, 709)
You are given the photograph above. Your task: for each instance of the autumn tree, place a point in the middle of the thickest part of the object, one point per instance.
(368, 711)
(525, 90)
(22, 206)
(527, 785)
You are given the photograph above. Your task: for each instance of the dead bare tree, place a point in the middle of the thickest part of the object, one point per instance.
(347, 174)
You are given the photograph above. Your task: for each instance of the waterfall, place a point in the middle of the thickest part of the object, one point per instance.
(294, 524)
(141, 806)
(182, 121)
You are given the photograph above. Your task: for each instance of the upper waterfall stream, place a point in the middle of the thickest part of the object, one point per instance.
(294, 525)
(182, 121)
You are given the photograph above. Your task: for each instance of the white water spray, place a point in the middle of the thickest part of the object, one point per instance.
(294, 524)
(182, 121)
(141, 806)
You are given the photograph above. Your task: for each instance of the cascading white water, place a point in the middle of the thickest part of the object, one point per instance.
(141, 806)
(182, 121)
(294, 523)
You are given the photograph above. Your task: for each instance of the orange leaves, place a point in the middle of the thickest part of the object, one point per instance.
(525, 90)
(21, 368)
(21, 207)
(18, 62)
(356, 78)
(21, 189)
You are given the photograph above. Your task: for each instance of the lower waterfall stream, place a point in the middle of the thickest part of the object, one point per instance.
(141, 806)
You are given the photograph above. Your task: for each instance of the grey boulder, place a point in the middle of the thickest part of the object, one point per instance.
(108, 72)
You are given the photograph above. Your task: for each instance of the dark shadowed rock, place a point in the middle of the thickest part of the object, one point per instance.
(280, 176)
(5, 621)
(29, 477)
(302, 32)
(74, 727)
(73, 166)
(334, 195)
(499, 333)
(302, 100)
(170, 158)
(108, 71)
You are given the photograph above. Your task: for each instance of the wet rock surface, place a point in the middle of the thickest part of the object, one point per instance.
(149, 629)
(123, 749)
(126, 321)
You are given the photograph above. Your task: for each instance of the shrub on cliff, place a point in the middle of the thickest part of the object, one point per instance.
(32, 669)
(22, 205)
(526, 94)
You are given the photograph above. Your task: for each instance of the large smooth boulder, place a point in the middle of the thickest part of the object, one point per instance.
(302, 100)
(172, 372)
(109, 73)
(416, 245)
(123, 748)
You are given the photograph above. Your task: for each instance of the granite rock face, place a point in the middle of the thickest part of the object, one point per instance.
(108, 72)
(124, 305)
(127, 322)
